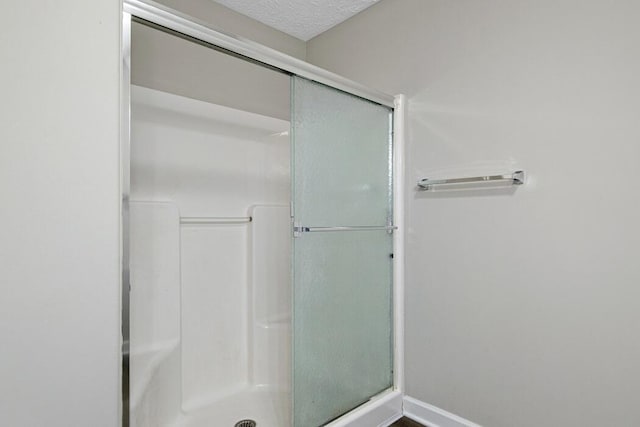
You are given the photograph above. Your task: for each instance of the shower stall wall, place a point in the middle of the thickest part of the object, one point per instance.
(210, 277)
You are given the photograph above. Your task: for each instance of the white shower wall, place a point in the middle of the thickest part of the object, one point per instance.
(210, 303)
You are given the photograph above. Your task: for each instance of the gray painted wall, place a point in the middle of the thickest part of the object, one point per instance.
(522, 307)
(59, 241)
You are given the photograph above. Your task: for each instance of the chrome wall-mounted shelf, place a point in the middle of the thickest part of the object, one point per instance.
(515, 178)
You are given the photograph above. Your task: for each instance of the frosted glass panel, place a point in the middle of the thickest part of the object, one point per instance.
(342, 312)
(342, 338)
(341, 157)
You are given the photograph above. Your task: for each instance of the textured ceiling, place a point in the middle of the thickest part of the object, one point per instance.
(303, 19)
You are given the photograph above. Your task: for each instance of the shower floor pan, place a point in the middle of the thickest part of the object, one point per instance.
(268, 407)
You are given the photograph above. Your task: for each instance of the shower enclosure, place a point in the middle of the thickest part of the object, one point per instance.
(261, 247)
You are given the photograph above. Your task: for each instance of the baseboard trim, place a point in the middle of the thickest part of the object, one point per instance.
(380, 411)
(432, 416)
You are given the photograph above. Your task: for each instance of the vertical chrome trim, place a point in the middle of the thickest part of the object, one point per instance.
(399, 140)
(390, 222)
(125, 170)
(294, 235)
(160, 15)
(391, 170)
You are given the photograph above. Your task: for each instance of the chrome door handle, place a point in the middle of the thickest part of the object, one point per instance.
(299, 229)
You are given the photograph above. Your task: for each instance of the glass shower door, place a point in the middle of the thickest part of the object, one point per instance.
(342, 252)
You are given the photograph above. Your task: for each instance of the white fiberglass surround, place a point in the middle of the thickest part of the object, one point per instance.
(210, 303)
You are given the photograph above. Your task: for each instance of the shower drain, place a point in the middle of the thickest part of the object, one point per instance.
(246, 423)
